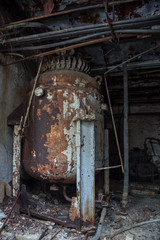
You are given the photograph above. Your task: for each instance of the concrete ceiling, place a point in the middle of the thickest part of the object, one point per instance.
(102, 55)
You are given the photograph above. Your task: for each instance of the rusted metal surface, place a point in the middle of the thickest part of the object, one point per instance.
(74, 212)
(50, 136)
(16, 160)
(65, 222)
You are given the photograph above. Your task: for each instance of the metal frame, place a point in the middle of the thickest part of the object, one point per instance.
(83, 206)
(87, 180)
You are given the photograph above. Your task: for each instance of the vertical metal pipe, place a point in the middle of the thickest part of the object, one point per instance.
(125, 129)
(106, 172)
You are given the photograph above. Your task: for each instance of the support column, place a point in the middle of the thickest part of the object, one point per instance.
(126, 155)
(83, 205)
(106, 172)
(16, 161)
(87, 172)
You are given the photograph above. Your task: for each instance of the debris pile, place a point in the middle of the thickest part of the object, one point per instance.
(139, 209)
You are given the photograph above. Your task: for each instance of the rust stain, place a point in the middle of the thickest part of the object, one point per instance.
(86, 18)
(47, 108)
(50, 145)
(74, 211)
(39, 113)
(128, 10)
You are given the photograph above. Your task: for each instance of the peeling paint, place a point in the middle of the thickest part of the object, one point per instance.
(50, 139)
(16, 160)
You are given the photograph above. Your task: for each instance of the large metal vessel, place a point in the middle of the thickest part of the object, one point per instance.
(62, 98)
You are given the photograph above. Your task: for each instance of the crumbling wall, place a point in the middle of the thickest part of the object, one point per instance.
(13, 86)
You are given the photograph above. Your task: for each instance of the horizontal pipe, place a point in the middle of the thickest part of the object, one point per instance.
(83, 29)
(78, 46)
(57, 34)
(139, 65)
(140, 21)
(57, 44)
(75, 40)
(24, 25)
(112, 167)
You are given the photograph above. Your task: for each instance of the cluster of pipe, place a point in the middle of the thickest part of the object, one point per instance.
(138, 26)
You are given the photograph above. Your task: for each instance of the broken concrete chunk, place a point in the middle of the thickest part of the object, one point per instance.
(28, 236)
(130, 236)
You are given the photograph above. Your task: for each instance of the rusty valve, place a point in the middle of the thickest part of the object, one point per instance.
(39, 92)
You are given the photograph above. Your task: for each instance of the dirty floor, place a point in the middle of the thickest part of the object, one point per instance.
(139, 209)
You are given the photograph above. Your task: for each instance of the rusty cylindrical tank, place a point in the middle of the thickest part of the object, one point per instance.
(62, 98)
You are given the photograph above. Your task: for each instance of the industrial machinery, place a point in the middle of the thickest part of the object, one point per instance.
(63, 138)
(63, 98)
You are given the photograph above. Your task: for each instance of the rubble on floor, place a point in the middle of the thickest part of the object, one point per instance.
(139, 209)
(24, 227)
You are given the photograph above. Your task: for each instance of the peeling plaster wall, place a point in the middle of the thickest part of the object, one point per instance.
(13, 86)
